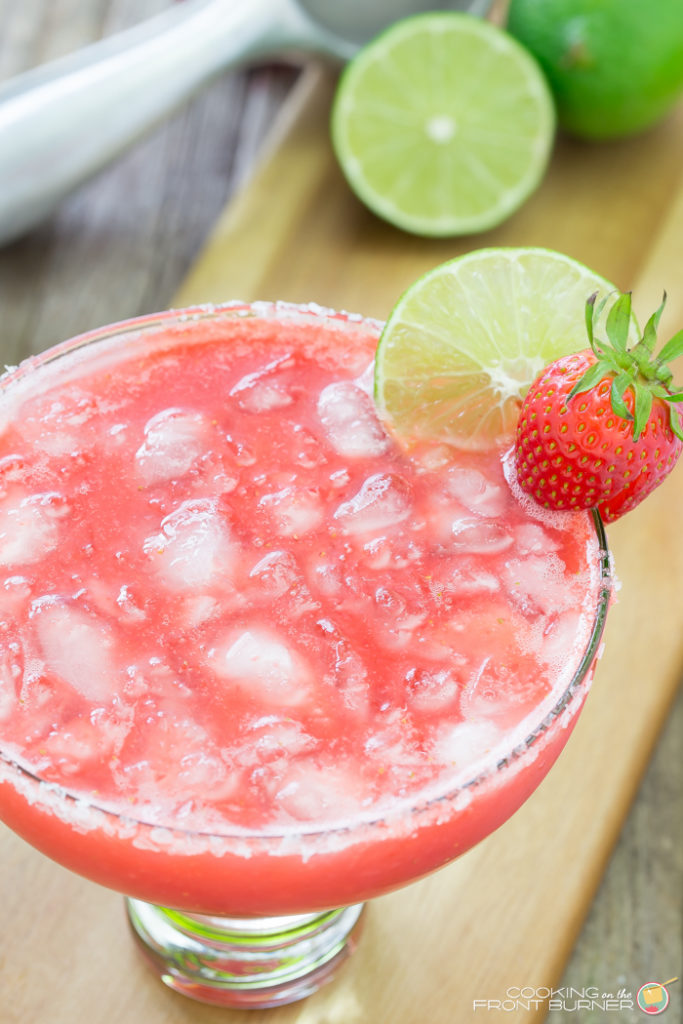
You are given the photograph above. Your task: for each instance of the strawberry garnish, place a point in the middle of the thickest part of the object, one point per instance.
(602, 428)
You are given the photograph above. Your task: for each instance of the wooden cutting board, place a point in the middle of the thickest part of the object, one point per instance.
(508, 912)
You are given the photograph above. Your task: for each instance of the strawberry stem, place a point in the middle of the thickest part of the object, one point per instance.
(638, 369)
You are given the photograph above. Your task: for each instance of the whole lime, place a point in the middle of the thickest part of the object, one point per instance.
(614, 66)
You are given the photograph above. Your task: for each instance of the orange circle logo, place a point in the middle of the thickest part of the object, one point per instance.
(652, 998)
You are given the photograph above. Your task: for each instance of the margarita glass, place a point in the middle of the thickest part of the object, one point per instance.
(260, 665)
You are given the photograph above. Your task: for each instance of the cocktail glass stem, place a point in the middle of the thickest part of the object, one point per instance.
(244, 962)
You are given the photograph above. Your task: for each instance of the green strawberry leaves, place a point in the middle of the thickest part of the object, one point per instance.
(619, 385)
(650, 332)
(619, 321)
(638, 369)
(673, 348)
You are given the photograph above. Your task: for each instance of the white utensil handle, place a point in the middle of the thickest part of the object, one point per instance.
(62, 122)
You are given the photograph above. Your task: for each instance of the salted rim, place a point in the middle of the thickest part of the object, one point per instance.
(404, 808)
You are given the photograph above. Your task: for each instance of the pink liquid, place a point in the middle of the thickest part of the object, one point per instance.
(256, 653)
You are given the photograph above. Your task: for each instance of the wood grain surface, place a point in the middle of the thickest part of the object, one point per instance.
(122, 246)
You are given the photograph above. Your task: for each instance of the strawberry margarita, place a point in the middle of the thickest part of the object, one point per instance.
(256, 658)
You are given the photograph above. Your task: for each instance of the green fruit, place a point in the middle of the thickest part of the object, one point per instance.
(465, 341)
(443, 125)
(615, 66)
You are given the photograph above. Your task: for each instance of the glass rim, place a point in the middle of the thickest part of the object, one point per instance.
(406, 807)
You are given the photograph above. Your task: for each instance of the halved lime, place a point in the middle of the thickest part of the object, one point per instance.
(464, 343)
(443, 124)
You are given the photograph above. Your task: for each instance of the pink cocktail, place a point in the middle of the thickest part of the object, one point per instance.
(260, 663)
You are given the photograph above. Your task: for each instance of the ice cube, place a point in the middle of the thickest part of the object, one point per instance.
(480, 536)
(326, 576)
(151, 675)
(84, 407)
(465, 743)
(194, 547)
(440, 512)
(74, 406)
(198, 609)
(11, 673)
(203, 773)
(8, 698)
(263, 396)
(13, 470)
(394, 741)
(80, 741)
(461, 577)
(79, 648)
(174, 758)
(432, 689)
(383, 500)
(394, 614)
(349, 676)
(391, 552)
(381, 555)
(262, 391)
(397, 757)
(532, 539)
(501, 688)
(537, 583)
(306, 449)
(114, 600)
(350, 421)
(128, 606)
(14, 595)
(366, 379)
(240, 452)
(475, 492)
(273, 737)
(434, 456)
(60, 443)
(320, 792)
(264, 666)
(278, 574)
(28, 527)
(174, 440)
(118, 434)
(557, 646)
(294, 511)
(277, 571)
(339, 478)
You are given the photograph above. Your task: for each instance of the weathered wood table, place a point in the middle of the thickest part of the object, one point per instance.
(122, 246)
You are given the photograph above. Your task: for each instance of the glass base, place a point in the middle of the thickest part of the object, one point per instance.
(240, 961)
